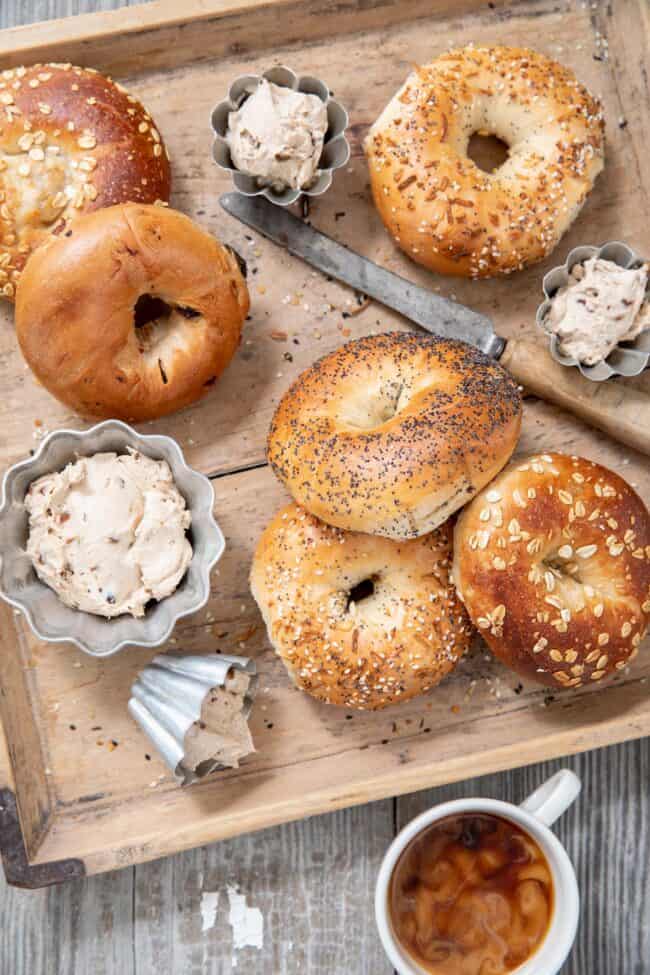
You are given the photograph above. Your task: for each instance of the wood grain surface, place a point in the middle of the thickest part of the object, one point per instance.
(313, 880)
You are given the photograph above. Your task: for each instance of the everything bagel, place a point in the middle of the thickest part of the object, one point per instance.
(391, 434)
(444, 211)
(358, 621)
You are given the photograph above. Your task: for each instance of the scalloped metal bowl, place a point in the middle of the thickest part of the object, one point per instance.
(53, 621)
(628, 358)
(336, 151)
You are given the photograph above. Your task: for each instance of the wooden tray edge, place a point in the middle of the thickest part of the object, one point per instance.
(155, 35)
(575, 735)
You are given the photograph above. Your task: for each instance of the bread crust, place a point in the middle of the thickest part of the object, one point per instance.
(439, 206)
(552, 561)
(390, 434)
(393, 645)
(75, 312)
(71, 141)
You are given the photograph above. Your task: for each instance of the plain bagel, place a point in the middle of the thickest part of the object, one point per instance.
(439, 206)
(133, 314)
(552, 561)
(358, 621)
(392, 433)
(71, 141)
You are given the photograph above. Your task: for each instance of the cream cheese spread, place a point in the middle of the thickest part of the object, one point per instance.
(277, 136)
(222, 733)
(603, 304)
(108, 532)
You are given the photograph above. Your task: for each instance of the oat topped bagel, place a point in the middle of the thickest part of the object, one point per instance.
(71, 141)
(552, 561)
(392, 433)
(440, 207)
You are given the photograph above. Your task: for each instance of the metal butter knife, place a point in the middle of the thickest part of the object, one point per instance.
(620, 410)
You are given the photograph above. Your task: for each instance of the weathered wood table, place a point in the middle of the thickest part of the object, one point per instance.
(313, 881)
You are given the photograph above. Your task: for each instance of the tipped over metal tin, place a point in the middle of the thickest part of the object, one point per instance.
(628, 358)
(181, 704)
(335, 154)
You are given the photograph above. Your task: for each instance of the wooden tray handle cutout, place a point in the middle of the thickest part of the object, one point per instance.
(614, 406)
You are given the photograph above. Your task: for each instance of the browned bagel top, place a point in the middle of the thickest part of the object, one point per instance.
(71, 141)
(445, 211)
(391, 433)
(77, 312)
(358, 620)
(552, 560)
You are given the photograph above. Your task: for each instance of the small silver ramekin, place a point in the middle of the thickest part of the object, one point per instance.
(336, 151)
(53, 621)
(167, 699)
(628, 358)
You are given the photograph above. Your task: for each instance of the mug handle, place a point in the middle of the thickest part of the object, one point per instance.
(553, 797)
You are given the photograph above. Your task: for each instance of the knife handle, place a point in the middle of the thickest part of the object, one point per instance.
(617, 408)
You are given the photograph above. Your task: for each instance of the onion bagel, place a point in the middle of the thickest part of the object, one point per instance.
(552, 561)
(71, 141)
(440, 207)
(358, 621)
(392, 433)
(132, 314)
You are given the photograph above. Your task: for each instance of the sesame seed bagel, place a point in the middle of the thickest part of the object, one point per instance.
(133, 314)
(71, 141)
(552, 561)
(391, 434)
(358, 621)
(440, 207)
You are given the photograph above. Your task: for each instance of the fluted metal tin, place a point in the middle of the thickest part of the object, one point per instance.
(336, 151)
(628, 358)
(53, 621)
(167, 697)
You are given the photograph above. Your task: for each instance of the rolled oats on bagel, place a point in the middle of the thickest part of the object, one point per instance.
(439, 206)
(552, 561)
(71, 141)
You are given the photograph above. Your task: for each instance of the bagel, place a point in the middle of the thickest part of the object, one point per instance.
(392, 433)
(358, 621)
(444, 211)
(552, 561)
(71, 141)
(132, 314)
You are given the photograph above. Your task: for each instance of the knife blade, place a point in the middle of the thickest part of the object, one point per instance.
(621, 411)
(432, 312)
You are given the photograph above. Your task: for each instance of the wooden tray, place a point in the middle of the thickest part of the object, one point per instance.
(88, 791)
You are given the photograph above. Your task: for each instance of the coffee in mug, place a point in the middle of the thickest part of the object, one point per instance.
(472, 894)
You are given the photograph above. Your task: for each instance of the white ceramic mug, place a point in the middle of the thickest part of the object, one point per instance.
(534, 816)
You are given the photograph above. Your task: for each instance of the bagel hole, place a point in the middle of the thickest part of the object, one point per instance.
(152, 310)
(562, 568)
(362, 590)
(488, 152)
